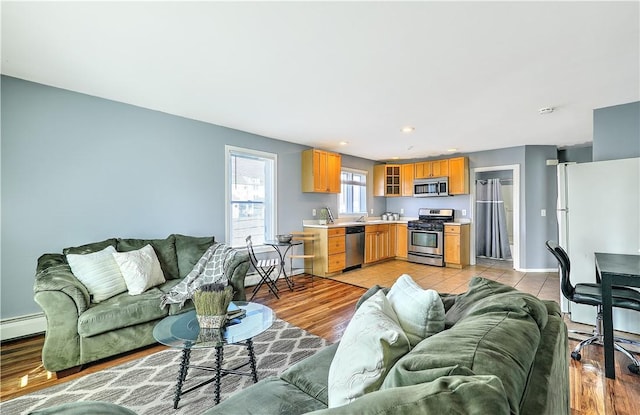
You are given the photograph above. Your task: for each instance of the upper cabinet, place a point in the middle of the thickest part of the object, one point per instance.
(397, 179)
(321, 171)
(393, 180)
(459, 176)
(434, 168)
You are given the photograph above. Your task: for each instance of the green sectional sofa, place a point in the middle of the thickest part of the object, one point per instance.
(501, 352)
(80, 331)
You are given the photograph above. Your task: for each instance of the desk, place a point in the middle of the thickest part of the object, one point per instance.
(282, 248)
(614, 269)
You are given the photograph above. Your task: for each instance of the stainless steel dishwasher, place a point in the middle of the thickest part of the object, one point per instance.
(354, 247)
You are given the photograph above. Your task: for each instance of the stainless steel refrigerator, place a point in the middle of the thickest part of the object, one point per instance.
(598, 211)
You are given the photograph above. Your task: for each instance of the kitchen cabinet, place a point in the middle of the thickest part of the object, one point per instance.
(401, 241)
(406, 179)
(377, 243)
(321, 171)
(433, 168)
(393, 180)
(456, 245)
(459, 176)
(387, 180)
(329, 250)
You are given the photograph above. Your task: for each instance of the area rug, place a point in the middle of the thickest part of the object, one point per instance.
(147, 385)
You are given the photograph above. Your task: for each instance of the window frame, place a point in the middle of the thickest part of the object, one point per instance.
(364, 173)
(271, 223)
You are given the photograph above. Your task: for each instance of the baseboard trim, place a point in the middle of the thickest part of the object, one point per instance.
(538, 270)
(23, 326)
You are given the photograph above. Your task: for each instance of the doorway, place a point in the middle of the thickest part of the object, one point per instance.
(508, 178)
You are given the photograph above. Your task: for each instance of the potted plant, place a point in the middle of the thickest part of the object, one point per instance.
(324, 216)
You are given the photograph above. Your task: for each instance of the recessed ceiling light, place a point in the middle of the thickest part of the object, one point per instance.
(344, 143)
(408, 129)
(451, 150)
(395, 158)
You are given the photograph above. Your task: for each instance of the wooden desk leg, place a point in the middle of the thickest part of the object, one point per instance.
(607, 322)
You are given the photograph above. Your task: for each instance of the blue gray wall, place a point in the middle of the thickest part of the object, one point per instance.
(78, 169)
(616, 132)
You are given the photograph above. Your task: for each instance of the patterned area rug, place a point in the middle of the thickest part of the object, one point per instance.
(147, 385)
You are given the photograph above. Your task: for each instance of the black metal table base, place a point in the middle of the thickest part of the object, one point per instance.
(220, 372)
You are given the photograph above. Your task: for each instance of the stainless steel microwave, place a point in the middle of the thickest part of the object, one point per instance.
(438, 186)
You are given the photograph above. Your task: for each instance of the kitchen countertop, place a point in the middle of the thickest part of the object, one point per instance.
(307, 224)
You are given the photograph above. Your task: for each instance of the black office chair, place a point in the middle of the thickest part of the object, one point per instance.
(264, 268)
(591, 294)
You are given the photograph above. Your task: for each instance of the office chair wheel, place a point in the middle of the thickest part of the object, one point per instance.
(576, 356)
(634, 369)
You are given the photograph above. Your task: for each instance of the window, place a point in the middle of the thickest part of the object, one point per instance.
(250, 195)
(353, 192)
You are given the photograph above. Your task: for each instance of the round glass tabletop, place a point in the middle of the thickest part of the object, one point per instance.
(183, 331)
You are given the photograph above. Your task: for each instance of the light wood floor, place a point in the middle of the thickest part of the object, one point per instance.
(325, 309)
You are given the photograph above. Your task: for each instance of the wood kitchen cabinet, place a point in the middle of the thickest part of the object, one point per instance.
(377, 243)
(433, 168)
(329, 250)
(401, 241)
(456, 245)
(459, 176)
(321, 171)
(406, 179)
(393, 180)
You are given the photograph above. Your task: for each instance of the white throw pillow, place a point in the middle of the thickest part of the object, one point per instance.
(140, 269)
(420, 311)
(372, 343)
(99, 272)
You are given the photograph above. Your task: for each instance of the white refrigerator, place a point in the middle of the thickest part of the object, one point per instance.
(598, 211)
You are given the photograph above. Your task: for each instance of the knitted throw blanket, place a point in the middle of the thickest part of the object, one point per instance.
(211, 268)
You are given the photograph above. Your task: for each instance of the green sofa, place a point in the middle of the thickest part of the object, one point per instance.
(502, 351)
(79, 331)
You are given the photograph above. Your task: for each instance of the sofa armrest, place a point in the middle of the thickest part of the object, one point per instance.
(236, 273)
(61, 348)
(53, 273)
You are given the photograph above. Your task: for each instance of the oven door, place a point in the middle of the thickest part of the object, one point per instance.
(425, 242)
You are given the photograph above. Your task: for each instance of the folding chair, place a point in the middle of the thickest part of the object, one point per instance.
(264, 268)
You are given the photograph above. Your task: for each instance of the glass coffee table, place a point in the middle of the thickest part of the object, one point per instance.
(182, 331)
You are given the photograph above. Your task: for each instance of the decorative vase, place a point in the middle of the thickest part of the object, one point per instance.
(211, 322)
(211, 302)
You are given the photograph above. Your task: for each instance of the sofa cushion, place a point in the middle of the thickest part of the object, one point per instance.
(479, 289)
(269, 396)
(120, 311)
(189, 249)
(420, 312)
(311, 374)
(140, 269)
(92, 247)
(501, 343)
(165, 250)
(99, 272)
(469, 395)
(372, 342)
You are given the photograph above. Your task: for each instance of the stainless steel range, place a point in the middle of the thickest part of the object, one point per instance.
(426, 236)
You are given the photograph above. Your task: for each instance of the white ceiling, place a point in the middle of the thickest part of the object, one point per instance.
(469, 76)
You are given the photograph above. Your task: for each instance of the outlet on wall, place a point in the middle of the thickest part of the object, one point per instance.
(543, 212)
(401, 211)
(371, 211)
(464, 212)
(313, 212)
